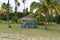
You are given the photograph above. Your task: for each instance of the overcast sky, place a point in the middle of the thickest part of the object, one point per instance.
(21, 7)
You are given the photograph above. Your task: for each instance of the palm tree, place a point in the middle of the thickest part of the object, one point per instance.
(24, 3)
(45, 7)
(5, 11)
(16, 5)
(8, 14)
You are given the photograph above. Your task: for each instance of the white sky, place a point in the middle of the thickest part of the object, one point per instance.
(21, 7)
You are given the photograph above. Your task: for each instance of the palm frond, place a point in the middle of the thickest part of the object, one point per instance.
(56, 8)
(34, 5)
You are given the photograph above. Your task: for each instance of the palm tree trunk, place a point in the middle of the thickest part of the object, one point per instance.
(56, 18)
(46, 20)
(24, 5)
(8, 16)
(51, 17)
(8, 21)
(16, 13)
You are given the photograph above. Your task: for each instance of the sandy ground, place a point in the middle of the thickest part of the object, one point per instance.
(10, 36)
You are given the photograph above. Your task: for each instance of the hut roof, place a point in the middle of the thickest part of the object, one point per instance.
(28, 17)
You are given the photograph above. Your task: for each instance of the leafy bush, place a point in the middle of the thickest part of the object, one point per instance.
(19, 21)
(1, 21)
(39, 23)
(58, 19)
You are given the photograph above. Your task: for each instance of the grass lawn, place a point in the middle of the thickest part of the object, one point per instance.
(53, 31)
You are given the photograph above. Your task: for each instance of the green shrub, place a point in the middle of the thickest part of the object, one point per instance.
(19, 21)
(58, 19)
(13, 22)
(39, 23)
(1, 21)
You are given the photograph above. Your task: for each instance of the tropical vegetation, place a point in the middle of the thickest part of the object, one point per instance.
(46, 11)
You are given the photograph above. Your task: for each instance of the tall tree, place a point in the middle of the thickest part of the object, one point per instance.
(44, 7)
(16, 5)
(24, 10)
(24, 3)
(8, 14)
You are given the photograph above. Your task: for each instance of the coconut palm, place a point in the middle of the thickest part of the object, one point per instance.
(44, 7)
(8, 14)
(5, 11)
(24, 3)
(16, 5)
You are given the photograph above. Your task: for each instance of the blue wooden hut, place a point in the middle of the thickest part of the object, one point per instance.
(28, 22)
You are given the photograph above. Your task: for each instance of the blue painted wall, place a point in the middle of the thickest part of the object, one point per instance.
(23, 25)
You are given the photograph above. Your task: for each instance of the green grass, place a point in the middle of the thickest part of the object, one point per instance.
(52, 31)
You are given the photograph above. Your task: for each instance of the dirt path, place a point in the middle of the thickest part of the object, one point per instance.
(10, 36)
